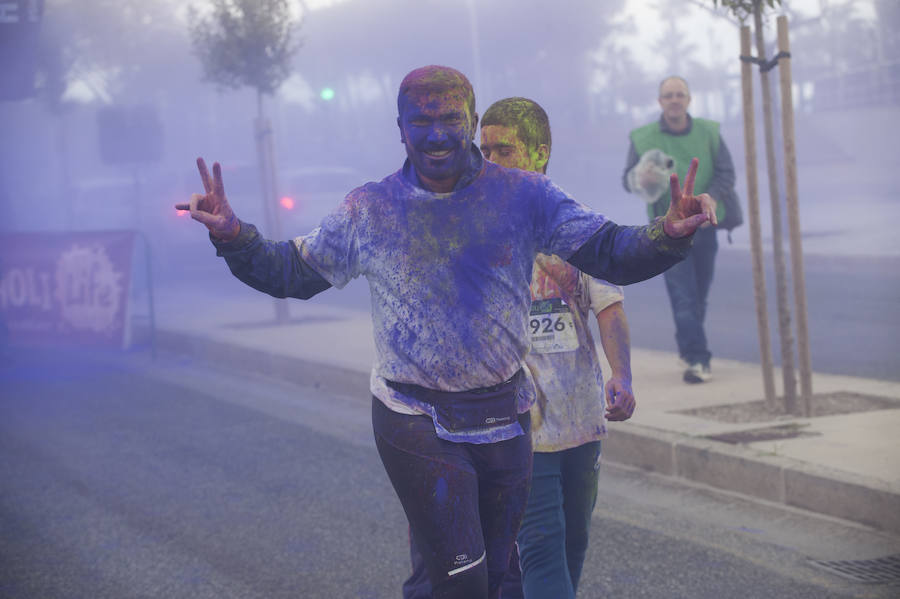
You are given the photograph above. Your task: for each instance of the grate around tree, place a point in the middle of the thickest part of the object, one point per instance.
(822, 404)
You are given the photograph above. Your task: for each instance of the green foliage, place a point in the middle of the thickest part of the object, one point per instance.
(744, 8)
(245, 42)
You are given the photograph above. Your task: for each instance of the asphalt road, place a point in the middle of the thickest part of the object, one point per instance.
(121, 477)
(853, 313)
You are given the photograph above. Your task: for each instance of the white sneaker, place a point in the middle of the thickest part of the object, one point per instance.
(697, 373)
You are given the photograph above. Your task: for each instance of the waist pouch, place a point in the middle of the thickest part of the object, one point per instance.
(466, 410)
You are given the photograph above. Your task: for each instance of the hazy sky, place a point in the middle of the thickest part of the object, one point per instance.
(638, 22)
(648, 22)
(714, 39)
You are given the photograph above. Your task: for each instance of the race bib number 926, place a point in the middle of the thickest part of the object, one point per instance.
(551, 326)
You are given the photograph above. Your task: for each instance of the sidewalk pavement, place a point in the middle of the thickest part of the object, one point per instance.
(844, 466)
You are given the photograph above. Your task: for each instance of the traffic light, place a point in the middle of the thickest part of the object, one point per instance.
(327, 94)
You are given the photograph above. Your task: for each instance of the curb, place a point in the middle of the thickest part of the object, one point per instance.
(720, 465)
(745, 471)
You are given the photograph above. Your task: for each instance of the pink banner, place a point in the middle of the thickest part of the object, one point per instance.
(66, 288)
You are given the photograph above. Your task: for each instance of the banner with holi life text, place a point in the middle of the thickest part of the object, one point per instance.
(66, 289)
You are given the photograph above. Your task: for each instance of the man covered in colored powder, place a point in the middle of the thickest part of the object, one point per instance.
(678, 138)
(447, 244)
(567, 419)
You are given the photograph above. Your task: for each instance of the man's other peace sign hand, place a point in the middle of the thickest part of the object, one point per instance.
(688, 212)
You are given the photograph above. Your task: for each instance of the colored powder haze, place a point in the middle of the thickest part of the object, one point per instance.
(594, 66)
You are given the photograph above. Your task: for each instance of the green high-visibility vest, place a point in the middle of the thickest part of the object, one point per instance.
(702, 142)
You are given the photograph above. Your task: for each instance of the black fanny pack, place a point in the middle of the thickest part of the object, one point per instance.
(465, 410)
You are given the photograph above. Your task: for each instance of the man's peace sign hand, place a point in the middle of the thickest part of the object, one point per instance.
(212, 208)
(688, 212)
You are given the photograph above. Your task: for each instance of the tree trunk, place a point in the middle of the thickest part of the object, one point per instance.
(268, 187)
(759, 273)
(784, 311)
(793, 214)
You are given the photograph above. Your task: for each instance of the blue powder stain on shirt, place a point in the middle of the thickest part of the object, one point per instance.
(440, 490)
(467, 274)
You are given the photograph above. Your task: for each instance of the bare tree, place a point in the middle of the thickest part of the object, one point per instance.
(120, 51)
(743, 9)
(674, 46)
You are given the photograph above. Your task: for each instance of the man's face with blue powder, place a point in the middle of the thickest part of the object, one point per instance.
(437, 127)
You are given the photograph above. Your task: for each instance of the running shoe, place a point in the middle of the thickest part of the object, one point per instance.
(697, 373)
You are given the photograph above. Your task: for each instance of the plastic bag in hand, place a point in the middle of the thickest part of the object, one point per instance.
(649, 178)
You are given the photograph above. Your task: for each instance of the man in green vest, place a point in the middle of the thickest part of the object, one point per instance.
(679, 137)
